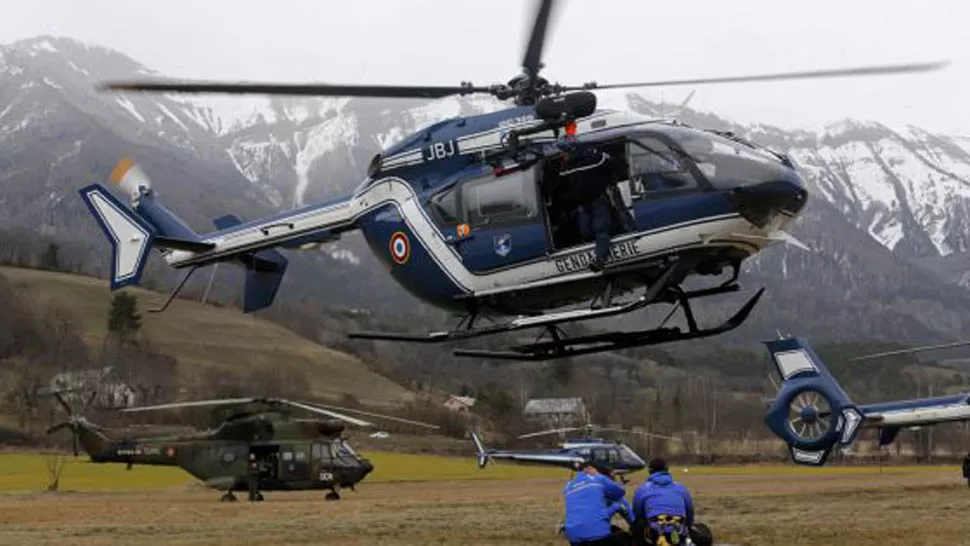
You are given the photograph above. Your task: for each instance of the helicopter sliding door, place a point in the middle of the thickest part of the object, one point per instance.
(505, 221)
(295, 462)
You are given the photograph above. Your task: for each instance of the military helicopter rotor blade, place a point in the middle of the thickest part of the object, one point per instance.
(328, 413)
(532, 60)
(551, 431)
(296, 89)
(196, 403)
(378, 415)
(63, 403)
(911, 350)
(780, 76)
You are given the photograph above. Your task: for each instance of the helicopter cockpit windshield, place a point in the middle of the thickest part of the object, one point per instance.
(343, 453)
(629, 457)
(727, 163)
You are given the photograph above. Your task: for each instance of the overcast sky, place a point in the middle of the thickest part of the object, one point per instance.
(447, 41)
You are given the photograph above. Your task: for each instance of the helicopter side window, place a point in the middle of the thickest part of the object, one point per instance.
(494, 201)
(445, 206)
(654, 167)
(321, 452)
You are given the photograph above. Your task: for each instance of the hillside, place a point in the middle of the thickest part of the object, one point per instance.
(206, 337)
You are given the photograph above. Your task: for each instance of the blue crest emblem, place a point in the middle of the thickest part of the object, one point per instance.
(503, 245)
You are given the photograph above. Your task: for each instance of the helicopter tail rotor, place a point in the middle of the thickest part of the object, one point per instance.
(811, 412)
(74, 421)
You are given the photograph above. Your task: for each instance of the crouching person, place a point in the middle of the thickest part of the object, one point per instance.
(663, 510)
(592, 499)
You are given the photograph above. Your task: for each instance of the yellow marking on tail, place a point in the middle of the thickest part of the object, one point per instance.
(121, 169)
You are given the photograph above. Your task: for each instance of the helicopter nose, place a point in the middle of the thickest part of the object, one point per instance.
(760, 203)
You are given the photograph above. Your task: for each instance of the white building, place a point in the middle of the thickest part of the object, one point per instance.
(557, 412)
(459, 403)
(76, 388)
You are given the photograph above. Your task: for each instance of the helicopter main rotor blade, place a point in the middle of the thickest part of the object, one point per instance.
(532, 61)
(648, 434)
(912, 350)
(812, 74)
(550, 431)
(328, 413)
(310, 89)
(197, 403)
(63, 403)
(378, 415)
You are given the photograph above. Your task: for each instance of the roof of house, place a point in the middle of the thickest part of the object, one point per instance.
(554, 405)
(463, 400)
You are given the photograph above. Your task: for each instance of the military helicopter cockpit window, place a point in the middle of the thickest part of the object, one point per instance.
(321, 452)
(343, 453)
(496, 201)
(655, 167)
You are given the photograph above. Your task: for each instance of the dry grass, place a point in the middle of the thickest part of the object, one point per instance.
(745, 505)
(211, 337)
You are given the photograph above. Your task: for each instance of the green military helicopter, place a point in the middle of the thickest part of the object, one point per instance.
(286, 453)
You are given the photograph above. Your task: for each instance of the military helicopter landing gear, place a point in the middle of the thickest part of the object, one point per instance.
(332, 496)
(228, 497)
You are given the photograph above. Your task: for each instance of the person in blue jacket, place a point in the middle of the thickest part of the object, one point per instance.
(663, 510)
(592, 499)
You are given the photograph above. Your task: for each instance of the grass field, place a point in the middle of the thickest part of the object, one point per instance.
(211, 337)
(776, 505)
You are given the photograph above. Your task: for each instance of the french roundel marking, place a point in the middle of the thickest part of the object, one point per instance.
(400, 248)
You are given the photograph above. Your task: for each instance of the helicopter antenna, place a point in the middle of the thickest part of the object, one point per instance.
(687, 100)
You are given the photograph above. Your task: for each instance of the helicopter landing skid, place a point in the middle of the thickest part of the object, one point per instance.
(561, 346)
(548, 320)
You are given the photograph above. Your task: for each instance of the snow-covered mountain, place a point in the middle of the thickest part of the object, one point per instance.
(888, 214)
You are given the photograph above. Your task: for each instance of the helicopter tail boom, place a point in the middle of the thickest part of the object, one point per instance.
(133, 231)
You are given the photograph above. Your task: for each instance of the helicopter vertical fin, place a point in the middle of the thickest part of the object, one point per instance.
(130, 235)
(264, 270)
(483, 457)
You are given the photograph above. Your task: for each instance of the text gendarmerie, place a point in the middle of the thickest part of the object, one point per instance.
(618, 252)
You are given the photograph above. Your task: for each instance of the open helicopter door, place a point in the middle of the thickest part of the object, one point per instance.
(503, 219)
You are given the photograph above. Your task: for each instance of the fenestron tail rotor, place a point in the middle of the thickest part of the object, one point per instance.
(525, 89)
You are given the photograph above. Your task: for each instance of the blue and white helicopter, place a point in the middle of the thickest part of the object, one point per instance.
(619, 458)
(813, 415)
(458, 213)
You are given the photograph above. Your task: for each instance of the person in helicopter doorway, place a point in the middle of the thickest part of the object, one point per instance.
(966, 469)
(253, 474)
(583, 182)
(592, 499)
(663, 510)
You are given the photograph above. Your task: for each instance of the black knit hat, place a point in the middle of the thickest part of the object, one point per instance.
(657, 464)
